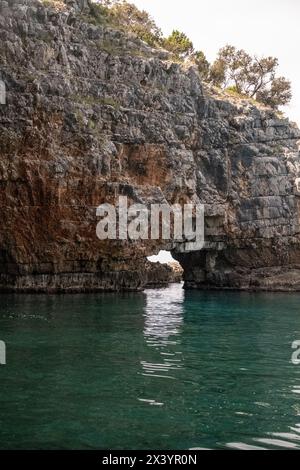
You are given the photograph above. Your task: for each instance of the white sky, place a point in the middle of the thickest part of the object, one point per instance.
(162, 257)
(261, 27)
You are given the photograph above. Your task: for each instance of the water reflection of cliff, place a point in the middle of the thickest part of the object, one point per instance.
(162, 330)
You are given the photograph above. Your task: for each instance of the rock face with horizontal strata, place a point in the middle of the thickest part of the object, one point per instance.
(93, 113)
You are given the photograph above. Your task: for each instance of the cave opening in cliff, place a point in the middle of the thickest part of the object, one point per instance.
(165, 269)
(162, 257)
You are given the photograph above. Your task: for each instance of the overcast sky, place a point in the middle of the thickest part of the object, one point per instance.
(261, 27)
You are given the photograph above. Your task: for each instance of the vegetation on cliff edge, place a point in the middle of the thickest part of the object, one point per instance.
(234, 70)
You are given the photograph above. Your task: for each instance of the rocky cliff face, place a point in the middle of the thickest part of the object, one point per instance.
(161, 275)
(92, 114)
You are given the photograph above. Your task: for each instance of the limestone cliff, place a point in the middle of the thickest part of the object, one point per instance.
(163, 274)
(93, 113)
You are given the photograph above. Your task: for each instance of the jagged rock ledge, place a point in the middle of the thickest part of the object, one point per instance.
(163, 274)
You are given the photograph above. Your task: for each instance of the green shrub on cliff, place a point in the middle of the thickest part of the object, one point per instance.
(250, 76)
(127, 17)
(202, 64)
(179, 44)
(234, 69)
(137, 21)
(99, 11)
(278, 94)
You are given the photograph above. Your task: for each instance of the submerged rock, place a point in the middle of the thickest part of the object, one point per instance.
(92, 113)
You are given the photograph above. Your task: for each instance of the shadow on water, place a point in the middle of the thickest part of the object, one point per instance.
(166, 368)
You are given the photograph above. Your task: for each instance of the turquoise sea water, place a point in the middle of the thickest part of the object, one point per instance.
(163, 369)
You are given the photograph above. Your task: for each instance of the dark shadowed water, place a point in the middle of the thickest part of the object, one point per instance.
(163, 369)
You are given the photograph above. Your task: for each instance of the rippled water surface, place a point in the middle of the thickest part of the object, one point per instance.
(163, 369)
